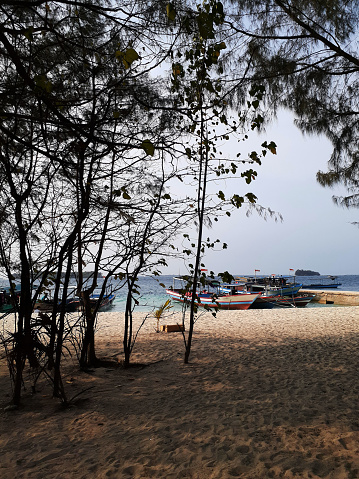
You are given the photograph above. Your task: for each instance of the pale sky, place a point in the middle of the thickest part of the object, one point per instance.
(315, 233)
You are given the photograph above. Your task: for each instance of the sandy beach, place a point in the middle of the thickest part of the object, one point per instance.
(267, 394)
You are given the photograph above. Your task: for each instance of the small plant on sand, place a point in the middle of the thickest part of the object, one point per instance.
(159, 312)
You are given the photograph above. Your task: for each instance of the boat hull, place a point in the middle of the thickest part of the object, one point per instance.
(300, 301)
(264, 302)
(106, 302)
(321, 286)
(74, 304)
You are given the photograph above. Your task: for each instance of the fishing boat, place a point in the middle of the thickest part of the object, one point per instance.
(297, 301)
(268, 285)
(75, 304)
(265, 301)
(322, 284)
(276, 291)
(106, 302)
(207, 299)
(222, 301)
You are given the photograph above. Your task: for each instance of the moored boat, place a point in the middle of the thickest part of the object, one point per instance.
(236, 301)
(297, 301)
(205, 298)
(268, 285)
(264, 302)
(322, 284)
(106, 302)
(74, 303)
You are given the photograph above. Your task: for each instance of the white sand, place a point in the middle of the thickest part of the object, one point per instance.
(267, 394)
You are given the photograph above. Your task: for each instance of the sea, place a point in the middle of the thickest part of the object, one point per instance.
(152, 292)
(153, 295)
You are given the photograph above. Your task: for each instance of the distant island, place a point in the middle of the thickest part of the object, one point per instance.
(85, 274)
(306, 272)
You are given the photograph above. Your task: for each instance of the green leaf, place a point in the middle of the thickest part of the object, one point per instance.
(249, 175)
(251, 197)
(205, 25)
(171, 11)
(43, 83)
(147, 145)
(272, 147)
(177, 70)
(237, 200)
(127, 57)
(221, 196)
(29, 33)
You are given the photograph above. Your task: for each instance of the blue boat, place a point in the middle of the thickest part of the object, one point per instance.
(322, 284)
(268, 286)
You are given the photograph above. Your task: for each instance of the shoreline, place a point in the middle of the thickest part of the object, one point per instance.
(267, 394)
(326, 296)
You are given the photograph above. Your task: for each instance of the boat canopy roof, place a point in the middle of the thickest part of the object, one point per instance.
(207, 281)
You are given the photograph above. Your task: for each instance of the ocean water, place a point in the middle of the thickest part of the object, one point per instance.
(152, 295)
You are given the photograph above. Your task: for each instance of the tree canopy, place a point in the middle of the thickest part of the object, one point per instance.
(306, 54)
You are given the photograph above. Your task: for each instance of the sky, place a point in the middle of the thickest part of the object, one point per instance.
(315, 234)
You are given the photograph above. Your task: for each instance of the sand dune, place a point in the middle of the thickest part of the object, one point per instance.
(267, 394)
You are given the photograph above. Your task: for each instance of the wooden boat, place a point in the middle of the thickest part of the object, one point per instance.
(269, 286)
(297, 301)
(268, 302)
(107, 300)
(73, 303)
(264, 302)
(47, 305)
(222, 301)
(322, 284)
(206, 298)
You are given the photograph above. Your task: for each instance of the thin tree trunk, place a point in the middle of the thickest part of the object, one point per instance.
(58, 385)
(202, 184)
